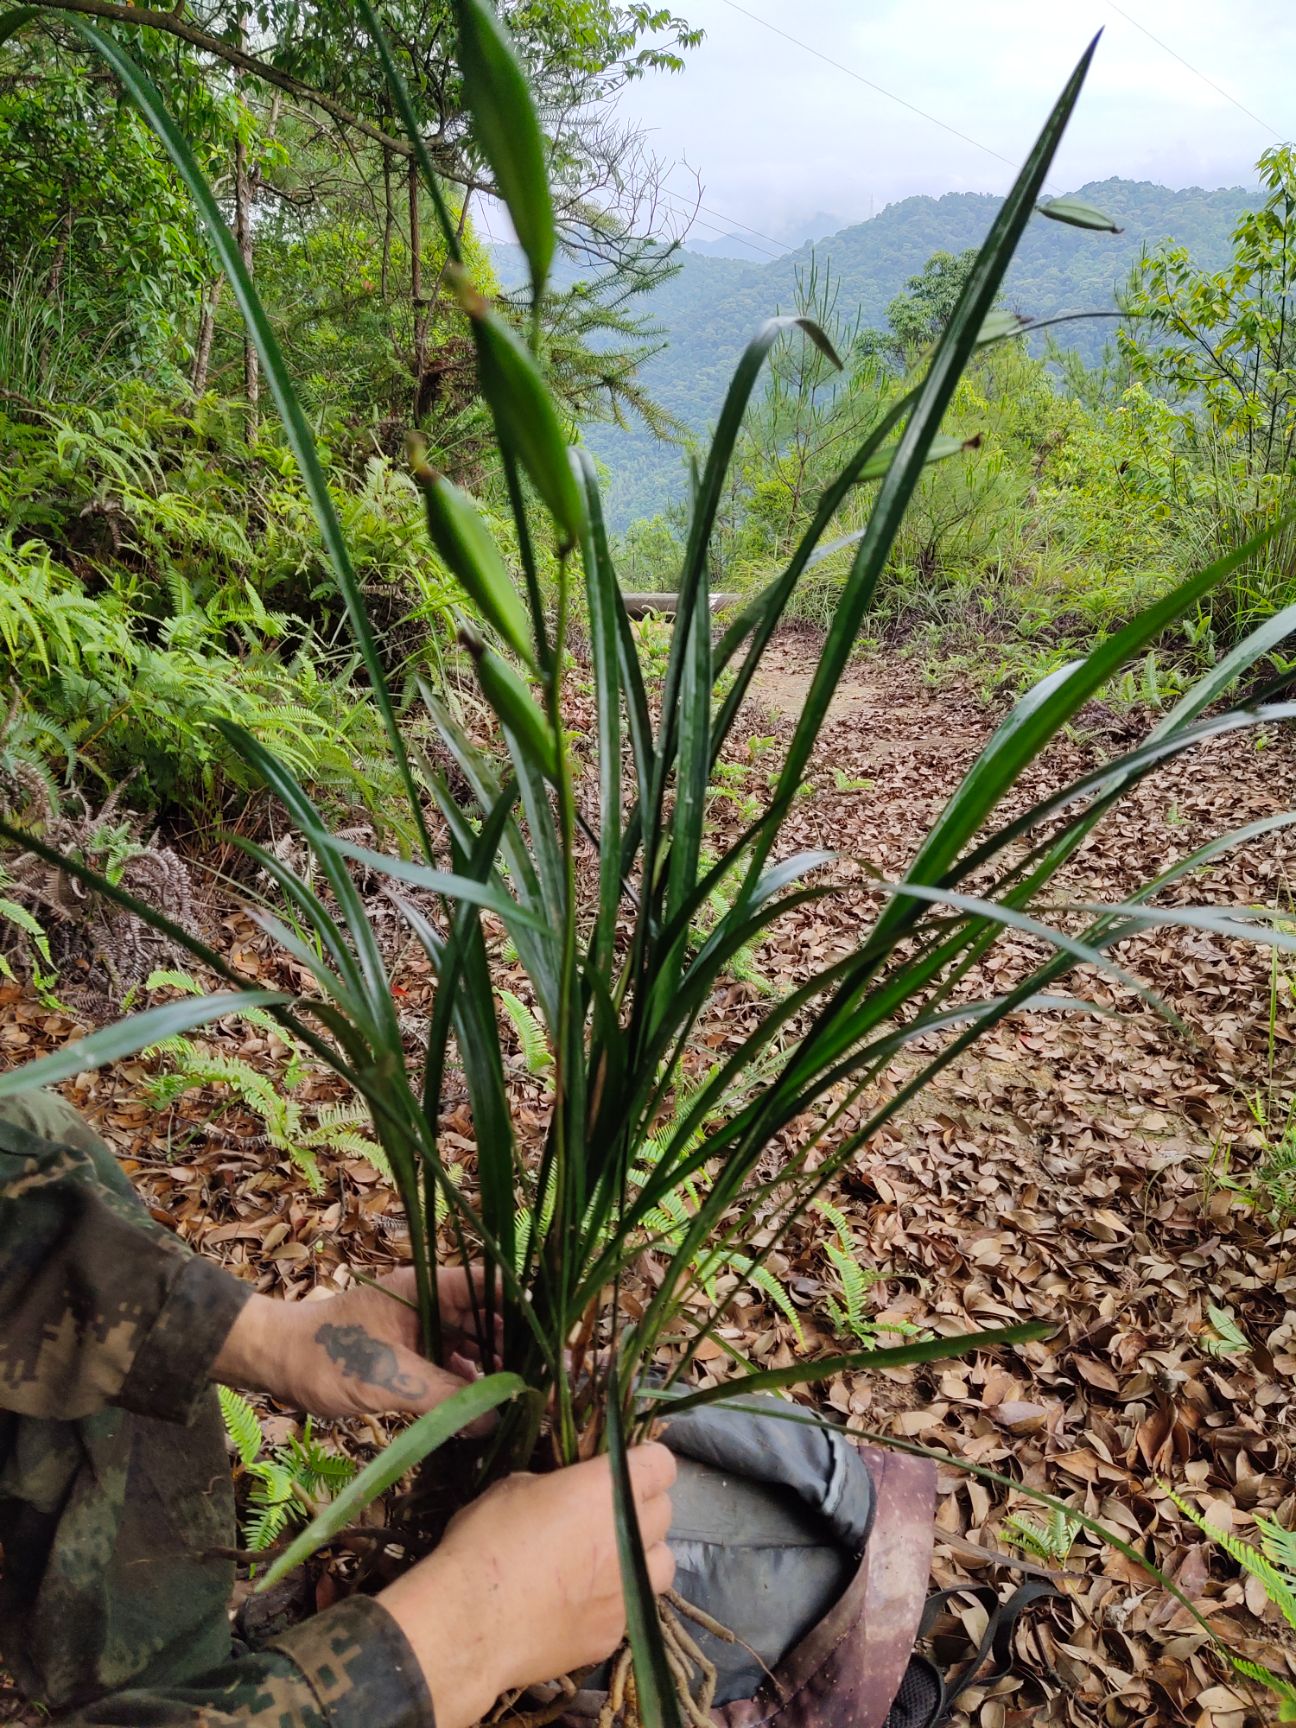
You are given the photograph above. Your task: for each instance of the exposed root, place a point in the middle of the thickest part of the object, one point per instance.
(691, 1669)
(700, 1618)
(614, 1704)
(694, 1657)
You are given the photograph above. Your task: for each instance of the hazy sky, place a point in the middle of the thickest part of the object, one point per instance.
(777, 134)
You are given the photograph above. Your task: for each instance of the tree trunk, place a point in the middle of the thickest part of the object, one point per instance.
(206, 335)
(419, 306)
(389, 220)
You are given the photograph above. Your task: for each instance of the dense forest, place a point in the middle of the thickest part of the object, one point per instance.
(710, 305)
(861, 976)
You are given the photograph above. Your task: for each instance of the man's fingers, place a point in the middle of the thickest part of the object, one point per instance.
(440, 1385)
(661, 1568)
(655, 1520)
(652, 1470)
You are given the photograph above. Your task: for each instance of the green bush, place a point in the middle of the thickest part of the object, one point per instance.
(157, 574)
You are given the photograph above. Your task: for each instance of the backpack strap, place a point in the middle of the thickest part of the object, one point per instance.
(897, 1567)
(926, 1698)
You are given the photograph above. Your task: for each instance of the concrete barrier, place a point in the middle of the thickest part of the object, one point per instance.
(639, 605)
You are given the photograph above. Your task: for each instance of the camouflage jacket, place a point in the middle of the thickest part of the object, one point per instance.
(116, 1510)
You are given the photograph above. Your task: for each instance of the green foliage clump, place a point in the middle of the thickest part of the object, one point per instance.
(287, 1487)
(156, 574)
(612, 954)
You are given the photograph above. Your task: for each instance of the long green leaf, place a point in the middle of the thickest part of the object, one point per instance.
(15, 19)
(446, 882)
(654, 1684)
(507, 129)
(600, 593)
(1041, 714)
(524, 413)
(409, 1448)
(897, 1356)
(129, 1036)
(937, 390)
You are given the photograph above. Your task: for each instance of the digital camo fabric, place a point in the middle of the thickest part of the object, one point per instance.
(114, 1481)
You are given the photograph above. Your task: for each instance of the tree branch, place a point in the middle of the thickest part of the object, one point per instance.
(175, 25)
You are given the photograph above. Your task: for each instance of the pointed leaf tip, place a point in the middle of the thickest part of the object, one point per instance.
(819, 336)
(507, 129)
(1077, 215)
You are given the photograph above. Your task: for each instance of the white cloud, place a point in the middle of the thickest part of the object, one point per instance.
(777, 133)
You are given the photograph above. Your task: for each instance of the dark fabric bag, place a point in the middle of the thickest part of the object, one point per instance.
(817, 1554)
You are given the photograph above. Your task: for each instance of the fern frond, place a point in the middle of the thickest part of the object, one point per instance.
(1229, 1338)
(165, 979)
(1050, 1541)
(241, 1425)
(764, 1280)
(1278, 1684)
(1279, 1544)
(1280, 1590)
(837, 1218)
(536, 1054)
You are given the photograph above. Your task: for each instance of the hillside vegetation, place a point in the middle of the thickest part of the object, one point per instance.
(709, 308)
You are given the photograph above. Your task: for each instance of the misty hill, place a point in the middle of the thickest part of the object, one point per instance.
(710, 308)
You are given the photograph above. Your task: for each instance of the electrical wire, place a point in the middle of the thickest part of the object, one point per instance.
(861, 79)
(1263, 124)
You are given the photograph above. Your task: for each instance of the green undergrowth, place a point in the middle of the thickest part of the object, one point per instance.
(158, 572)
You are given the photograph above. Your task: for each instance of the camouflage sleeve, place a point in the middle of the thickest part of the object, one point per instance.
(98, 1306)
(349, 1667)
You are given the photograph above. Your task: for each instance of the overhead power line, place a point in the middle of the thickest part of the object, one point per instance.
(687, 207)
(861, 79)
(1219, 88)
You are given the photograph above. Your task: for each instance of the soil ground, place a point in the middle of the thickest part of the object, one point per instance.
(1066, 1169)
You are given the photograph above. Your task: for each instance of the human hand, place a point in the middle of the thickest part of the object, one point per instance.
(355, 1353)
(526, 1584)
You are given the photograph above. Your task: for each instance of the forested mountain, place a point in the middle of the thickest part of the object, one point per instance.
(708, 309)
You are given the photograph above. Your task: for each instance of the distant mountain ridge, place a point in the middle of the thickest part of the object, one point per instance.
(710, 308)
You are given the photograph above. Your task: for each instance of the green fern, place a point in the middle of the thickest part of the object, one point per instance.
(1278, 1544)
(764, 1279)
(336, 1127)
(850, 1308)
(852, 1315)
(286, 1486)
(241, 1425)
(1279, 1586)
(1278, 1684)
(1228, 1337)
(1274, 1564)
(1051, 1541)
(37, 959)
(536, 1055)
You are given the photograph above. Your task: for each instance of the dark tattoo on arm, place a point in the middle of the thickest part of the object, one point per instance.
(363, 1357)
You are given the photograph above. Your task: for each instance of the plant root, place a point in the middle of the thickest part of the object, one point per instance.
(691, 1669)
(693, 1656)
(700, 1618)
(614, 1705)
